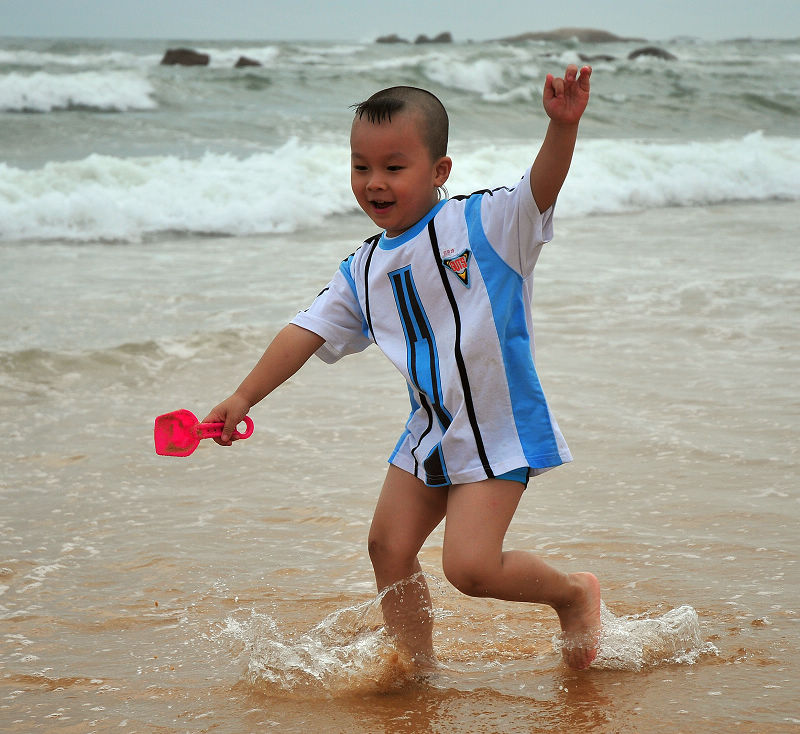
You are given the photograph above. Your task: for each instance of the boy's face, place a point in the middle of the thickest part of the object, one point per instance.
(393, 175)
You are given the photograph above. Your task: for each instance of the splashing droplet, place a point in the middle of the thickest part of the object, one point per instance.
(347, 652)
(635, 641)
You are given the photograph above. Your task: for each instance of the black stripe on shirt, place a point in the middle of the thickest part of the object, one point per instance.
(373, 241)
(462, 367)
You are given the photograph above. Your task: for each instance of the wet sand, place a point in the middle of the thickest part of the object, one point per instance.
(144, 593)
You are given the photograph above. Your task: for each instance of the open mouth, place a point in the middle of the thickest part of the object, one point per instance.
(381, 204)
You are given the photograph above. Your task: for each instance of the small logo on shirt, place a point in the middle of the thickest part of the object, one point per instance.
(459, 265)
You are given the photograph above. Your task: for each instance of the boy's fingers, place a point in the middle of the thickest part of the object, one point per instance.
(586, 72)
(548, 85)
(227, 432)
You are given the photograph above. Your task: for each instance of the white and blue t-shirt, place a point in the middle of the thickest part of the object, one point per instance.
(449, 303)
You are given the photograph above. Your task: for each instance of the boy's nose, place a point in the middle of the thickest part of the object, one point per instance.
(376, 183)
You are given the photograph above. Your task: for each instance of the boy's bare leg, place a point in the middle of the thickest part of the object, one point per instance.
(406, 514)
(478, 516)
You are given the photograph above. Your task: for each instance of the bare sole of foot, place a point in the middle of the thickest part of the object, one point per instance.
(580, 624)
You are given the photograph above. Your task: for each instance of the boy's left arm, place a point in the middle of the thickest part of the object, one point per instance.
(564, 102)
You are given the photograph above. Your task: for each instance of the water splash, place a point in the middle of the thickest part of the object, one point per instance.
(633, 642)
(347, 653)
(350, 653)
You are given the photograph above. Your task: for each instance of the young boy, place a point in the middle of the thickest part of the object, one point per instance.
(445, 293)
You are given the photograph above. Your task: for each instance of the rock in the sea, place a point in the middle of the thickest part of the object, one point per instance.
(445, 37)
(392, 38)
(244, 61)
(652, 51)
(585, 35)
(593, 59)
(184, 57)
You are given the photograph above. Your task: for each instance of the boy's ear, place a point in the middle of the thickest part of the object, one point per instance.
(442, 170)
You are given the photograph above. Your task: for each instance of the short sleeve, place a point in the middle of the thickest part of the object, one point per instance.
(514, 226)
(336, 316)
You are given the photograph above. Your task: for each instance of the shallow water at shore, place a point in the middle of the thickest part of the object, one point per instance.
(144, 593)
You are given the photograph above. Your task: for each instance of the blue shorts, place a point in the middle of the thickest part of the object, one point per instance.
(517, 475)
(521, 475)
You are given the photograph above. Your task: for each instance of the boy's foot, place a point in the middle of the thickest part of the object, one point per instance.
(580, 623)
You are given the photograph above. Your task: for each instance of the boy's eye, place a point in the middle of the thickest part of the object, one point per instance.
(394, 168)
(359, 168)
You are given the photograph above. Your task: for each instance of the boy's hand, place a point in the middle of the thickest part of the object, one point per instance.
(231, 412)
(565, 99)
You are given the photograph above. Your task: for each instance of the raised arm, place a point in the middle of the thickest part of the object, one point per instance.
(287, 353)
(564, 101)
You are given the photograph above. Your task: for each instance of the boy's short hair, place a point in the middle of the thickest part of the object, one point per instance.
(381, 105)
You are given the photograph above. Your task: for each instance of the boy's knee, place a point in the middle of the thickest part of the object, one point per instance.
(383, 550)
(376, 549)
(469, 577)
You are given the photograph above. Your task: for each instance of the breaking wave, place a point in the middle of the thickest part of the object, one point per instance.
(298, 186)
(111, 91)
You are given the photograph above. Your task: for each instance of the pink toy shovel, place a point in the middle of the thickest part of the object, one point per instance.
(179, 433)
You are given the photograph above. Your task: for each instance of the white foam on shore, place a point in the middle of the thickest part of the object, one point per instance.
(108, 91)
(614, 176)
(298, 186)
(100, 59)
(123, 199)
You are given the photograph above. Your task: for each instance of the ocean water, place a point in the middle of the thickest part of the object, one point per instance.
(159, 224)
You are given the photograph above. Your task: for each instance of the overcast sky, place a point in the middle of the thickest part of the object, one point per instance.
(360, 20)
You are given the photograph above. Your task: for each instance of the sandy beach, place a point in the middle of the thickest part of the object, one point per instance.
(186, 594)
(159, 225)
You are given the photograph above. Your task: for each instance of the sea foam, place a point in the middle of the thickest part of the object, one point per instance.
(110, 91)
(123, 199)
(613, 176)
(297, 186)
(99, 59)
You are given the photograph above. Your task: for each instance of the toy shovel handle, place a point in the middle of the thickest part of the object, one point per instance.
(214, 430)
